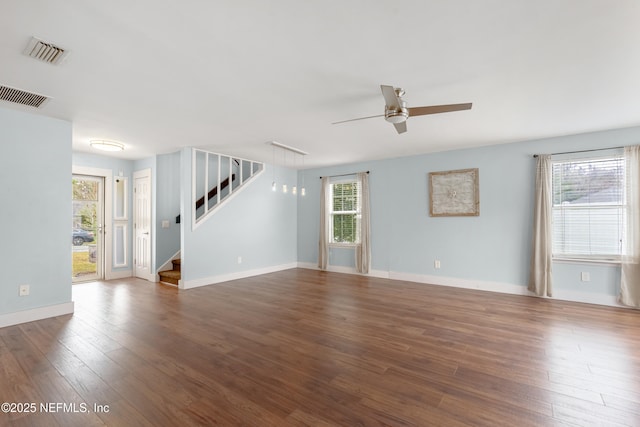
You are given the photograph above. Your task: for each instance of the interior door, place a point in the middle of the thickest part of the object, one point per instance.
(142, 225)
(87, 233)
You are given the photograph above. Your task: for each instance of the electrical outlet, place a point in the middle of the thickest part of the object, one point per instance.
(585, 276)
(239, 260)
(23, 290)
(436, 264)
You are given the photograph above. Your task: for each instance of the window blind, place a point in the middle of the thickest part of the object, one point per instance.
(588, 208)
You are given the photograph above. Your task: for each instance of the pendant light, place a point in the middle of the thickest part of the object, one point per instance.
(295, 151)
(303, 192)
(273, 165)
(294, 190)
(284, 165)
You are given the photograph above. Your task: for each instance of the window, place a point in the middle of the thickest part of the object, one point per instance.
(588, 208)
(345, 213)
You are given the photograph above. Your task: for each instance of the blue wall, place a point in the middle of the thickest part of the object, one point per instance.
(491, 248)
(258, 225)
(167, 206)
(35, 222)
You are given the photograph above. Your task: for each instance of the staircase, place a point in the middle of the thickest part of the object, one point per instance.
(171, 277)
(222, 175)
(216, 177)
(211, 194)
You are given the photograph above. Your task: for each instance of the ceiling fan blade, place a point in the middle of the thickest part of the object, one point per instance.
(436, 109)
(390, 97)
(401, 127)
(361, 118)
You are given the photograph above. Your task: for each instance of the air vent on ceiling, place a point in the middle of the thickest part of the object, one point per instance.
(45, 52)
(18, 96)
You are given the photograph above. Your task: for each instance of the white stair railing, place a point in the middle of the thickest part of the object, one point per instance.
(216, 177)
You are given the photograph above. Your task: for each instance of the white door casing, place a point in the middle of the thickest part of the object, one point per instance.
(107, 220)
(142, 225)
(96, 246)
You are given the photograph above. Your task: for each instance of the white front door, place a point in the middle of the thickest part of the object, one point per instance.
(142, 225)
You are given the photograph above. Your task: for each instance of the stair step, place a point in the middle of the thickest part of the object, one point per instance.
(170, 276)
(176, 264)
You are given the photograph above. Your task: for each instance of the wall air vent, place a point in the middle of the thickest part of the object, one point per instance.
(18, 96)
(45, 52)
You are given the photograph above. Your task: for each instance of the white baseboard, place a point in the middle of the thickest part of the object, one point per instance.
(151, 277)
(454, 282)
(120, 274)
(500, 287)
(34, 314)
(587, 298)
(347, 270)
(196, 283)
(508, 288)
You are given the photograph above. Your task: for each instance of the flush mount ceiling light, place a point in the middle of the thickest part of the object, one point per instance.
(105, 145)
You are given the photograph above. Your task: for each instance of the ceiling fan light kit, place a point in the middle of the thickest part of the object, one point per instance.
(396, 116)
(397, 113)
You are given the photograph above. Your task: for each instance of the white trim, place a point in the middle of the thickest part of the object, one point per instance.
(196, 283)
(381, 274)
(219, 205)
(124, 218)
(343, 245)
(587, 298)
(107, 174)
(454, 282)
(125, 234)
(487, 286)
(121, 274)
(583, 261)
(34, 314)
(331, 213)
(196, 222)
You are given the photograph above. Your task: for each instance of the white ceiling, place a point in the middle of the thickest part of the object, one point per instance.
(232, 75)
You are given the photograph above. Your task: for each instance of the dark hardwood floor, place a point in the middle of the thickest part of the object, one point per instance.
(303, 347)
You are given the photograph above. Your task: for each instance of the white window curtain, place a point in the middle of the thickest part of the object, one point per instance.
(363, 250)
(323, 241)
(630, 275)
(540, 281)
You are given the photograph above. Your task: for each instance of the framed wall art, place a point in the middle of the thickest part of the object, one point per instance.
(454, 193)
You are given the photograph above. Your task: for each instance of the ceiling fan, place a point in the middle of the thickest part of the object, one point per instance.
(396, 111)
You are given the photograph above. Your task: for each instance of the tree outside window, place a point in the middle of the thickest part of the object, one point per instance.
(345, 213)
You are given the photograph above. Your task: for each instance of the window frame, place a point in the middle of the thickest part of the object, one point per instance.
(357, 212)
(622, 206)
